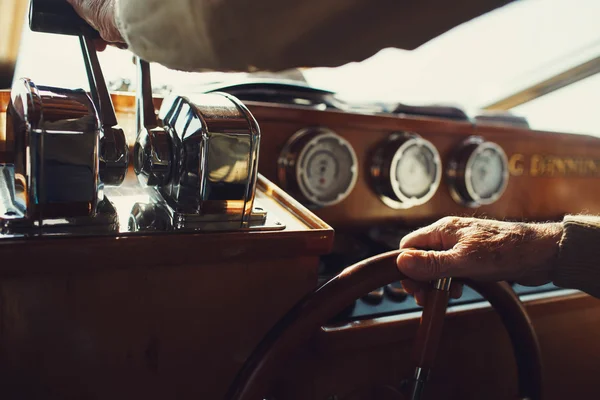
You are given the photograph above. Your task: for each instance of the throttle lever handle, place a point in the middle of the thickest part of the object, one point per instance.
(57, 16)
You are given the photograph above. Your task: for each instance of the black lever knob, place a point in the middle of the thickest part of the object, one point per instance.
(57, 16)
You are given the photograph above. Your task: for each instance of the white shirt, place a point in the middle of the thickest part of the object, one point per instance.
(280, 34)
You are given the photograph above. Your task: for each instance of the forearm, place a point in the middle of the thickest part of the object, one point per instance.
(578, 262)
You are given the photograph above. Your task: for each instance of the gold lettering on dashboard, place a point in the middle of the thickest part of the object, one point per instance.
(553, 166)
(515, 164)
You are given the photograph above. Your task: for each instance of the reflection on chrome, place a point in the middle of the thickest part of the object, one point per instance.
(200, 157)
(197, 164)
(51, 169)
(62, 147)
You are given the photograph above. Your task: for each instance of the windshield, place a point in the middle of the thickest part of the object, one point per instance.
(480, 61)
(471, 66)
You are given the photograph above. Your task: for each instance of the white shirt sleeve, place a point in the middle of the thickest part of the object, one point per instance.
(275, 35)
(247, 35)
(171, 32)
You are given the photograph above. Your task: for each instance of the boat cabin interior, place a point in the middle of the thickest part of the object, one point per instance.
(213, 235)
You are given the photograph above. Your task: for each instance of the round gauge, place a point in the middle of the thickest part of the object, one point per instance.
(406, 170)
(478, 172)
(319, 166)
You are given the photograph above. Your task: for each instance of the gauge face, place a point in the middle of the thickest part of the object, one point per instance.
(415, 171)
(326, 169)
(486, 173)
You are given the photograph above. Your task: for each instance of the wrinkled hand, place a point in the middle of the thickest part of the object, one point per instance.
(479, 249)
(100, 14)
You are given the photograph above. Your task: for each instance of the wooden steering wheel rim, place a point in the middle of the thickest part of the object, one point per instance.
(309, 314)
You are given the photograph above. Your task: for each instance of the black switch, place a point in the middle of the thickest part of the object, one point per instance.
(374, 297)
(396, 292)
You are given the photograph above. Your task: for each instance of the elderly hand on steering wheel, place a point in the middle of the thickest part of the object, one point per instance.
(479, 249)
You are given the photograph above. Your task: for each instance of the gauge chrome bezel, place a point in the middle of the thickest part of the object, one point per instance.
(460, 172)
(293, 158)
(469, 172)
(387, 184)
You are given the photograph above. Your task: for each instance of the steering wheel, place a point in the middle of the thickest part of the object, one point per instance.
(300, 323)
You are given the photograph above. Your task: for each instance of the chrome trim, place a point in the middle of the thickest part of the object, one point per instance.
(56, 143)
(159, 216)
(202, 160)
(64, 144)
(254, 133)
(152, 155)
(324, 133)
(442, 284)
(152, 152)
(11, 205)
(421, 374)
(469, 171)
(460, 170)
(420, 377)
(291, 159)
(384, 170)
(113, 151)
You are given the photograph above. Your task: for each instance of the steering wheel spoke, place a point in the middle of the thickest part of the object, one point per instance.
(429, 333)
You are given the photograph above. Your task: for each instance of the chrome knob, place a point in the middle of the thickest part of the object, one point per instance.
(149, 217)
(153, 157)
(114, 156)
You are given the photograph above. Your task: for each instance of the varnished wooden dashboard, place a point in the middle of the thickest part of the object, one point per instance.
(538, 188)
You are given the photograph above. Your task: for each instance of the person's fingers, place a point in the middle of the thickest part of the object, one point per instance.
(100, 45)
(456, 290)
(420, 297)
(423, 265)
(439, 236)
(100, 15)
(409, 286)
(122, 46)
(412, 286)
(425, 238)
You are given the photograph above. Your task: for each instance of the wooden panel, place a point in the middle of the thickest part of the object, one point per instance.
(154, 333)
(12, 17)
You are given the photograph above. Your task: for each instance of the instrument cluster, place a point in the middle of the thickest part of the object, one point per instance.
(320, 168)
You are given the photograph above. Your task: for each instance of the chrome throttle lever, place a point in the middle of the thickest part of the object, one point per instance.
(114, 152)
(57, 16)
(153, 152)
